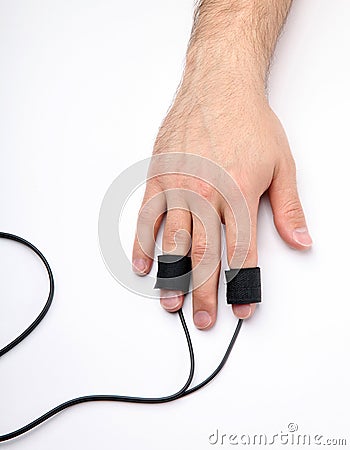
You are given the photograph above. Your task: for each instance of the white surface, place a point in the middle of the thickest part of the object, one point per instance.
(83, 88)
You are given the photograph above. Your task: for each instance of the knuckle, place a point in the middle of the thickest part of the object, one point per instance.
(176, 236)
(168, 241)
(204, 296)
(201, 251)
(205, 263)
(292, 210)
(241, 252)
(147, 216)
(204, 189)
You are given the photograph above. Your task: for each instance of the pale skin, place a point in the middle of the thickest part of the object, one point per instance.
(221, 112)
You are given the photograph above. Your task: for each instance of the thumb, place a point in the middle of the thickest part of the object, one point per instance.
(287, 210)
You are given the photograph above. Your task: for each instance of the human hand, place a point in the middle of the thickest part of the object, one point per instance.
(222, 115)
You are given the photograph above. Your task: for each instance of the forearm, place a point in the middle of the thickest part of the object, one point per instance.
(235, 39)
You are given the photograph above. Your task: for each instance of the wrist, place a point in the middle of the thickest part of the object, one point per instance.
(234, 41)
(220, 71)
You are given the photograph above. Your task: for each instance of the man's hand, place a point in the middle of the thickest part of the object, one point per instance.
(221, 113)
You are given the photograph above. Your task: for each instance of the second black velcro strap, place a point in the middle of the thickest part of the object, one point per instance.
(174, 272)
(243, 286)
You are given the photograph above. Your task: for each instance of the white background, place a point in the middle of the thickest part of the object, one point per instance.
(83, 88)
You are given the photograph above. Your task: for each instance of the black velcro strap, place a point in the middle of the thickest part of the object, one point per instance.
(174, 272)
(243, 286)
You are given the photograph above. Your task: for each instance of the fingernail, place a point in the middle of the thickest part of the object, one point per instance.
(139, 266)
(202, 319)
(243, 311)
(170, 299)
(302, 237)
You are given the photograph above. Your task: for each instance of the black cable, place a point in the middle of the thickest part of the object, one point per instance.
(47, 305)
(185, 390)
